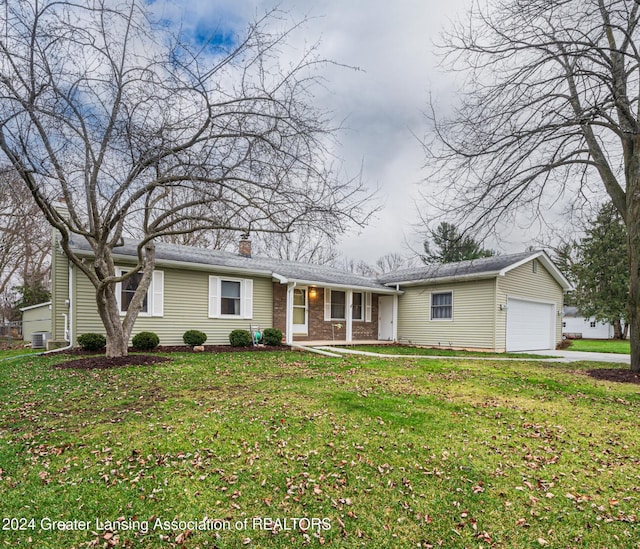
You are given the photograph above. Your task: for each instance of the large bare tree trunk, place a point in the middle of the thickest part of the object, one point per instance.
(117, 340)
(633, 229)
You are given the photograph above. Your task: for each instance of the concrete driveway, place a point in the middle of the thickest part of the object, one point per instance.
(580, 356)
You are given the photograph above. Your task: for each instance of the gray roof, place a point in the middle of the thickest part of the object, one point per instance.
(322, 274)
(229, 261)
(464, 269)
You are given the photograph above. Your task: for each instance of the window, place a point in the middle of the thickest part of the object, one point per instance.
(592, 324)
(564, 324)
(357, 308)
(153, 304)
(128, 288)
(338, 305)
(442, 306)
(335, 305)
(230, 297)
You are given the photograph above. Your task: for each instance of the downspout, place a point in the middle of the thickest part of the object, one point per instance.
(68, 319)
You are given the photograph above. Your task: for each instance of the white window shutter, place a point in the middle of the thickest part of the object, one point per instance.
(327, 304)
(214, 300)
(157, 294)
(367, 307)
(247, 298)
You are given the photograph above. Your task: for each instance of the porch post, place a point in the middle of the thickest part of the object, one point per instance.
(395, 318)
(289, 313)
(349, 314)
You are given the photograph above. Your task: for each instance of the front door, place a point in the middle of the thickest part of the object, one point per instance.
(385, 318)
(300, 311)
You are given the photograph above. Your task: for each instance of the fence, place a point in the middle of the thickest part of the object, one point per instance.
(10, 331)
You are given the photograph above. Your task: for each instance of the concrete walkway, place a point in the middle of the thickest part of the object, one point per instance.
(580, 356)
(558, 356)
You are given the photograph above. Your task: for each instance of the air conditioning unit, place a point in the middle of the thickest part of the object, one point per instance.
(39, 339)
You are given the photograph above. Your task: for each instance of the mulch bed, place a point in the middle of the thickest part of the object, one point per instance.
(621, 375)
(100, 362)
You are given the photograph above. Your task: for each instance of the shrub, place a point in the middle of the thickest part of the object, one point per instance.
(92, 342)
(145, 341)
(272, 336)
(240, 338)
(194, 337)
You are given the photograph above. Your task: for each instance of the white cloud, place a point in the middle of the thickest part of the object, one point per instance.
(391, 43)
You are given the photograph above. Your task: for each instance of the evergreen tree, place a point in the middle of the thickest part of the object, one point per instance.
(601, 272)
(448, 245)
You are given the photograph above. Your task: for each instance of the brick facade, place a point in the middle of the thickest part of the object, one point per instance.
(318, 328)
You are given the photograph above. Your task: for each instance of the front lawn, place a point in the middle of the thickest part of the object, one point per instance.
(600, 345)
(298, 450)
(434, 351)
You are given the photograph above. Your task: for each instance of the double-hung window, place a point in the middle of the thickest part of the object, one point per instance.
(442, 306)
(230, 297)
(357, 306)
(230, 300)
(153, 304)
(336, 306)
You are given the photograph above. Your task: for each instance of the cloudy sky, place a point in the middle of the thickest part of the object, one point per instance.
(392, 45)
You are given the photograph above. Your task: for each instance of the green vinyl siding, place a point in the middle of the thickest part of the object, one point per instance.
(472, 325)
(186, 307)
(522, 282)
(59, 291)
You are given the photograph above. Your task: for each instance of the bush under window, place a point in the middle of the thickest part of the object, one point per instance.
(272, 336)
(194, 337)
(145, 341)
(92, 342)
(240, 338)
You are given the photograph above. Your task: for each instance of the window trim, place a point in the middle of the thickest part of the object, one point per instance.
(431, 307)
(215, 297)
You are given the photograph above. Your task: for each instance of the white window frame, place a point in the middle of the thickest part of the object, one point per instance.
(431, 306)
(215, 297)
(366, 305)
(328, 309)
(155, 293)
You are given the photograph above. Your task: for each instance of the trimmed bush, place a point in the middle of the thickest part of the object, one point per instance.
(92, 342)
(194, 337)
(272, 337)
(145, 341)
(240, 338)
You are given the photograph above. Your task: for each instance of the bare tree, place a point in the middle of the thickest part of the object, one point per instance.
(307, 245)
(109, 110)
(25, 238)
(549, 114)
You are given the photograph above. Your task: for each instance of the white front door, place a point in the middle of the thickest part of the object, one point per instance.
(300, 311)
(385, 318)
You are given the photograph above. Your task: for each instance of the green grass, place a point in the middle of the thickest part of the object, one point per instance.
(430, 351)
(386, 452)
(600, 346)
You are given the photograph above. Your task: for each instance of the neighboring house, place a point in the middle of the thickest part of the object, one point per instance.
(36, 318)
(462, 305)
(576, 325)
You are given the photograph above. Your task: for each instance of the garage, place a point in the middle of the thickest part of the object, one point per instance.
(530, 325)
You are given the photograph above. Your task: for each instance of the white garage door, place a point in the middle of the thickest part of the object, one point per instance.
(530, 325)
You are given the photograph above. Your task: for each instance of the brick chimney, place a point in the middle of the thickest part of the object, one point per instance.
(245, 246)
